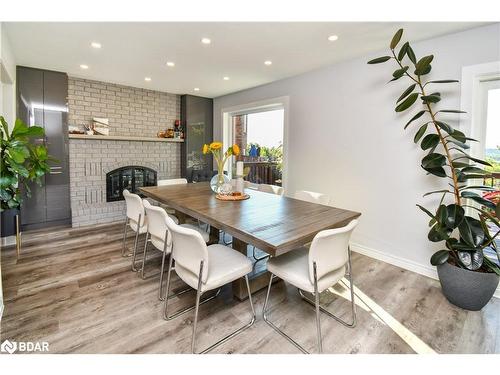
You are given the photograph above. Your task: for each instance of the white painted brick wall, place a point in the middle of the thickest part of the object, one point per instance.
(131, 112)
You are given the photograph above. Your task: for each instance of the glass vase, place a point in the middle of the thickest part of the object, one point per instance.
(217, 181)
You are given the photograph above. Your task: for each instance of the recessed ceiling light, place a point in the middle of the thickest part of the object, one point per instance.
(147, 79)
(96, 45)
(170, 63)
(83, 66)
(196, 89)
(333, 38)
(226, 78)
(268, 62)
(206, 40)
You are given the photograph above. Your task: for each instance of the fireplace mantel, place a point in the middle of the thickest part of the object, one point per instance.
(123, 138)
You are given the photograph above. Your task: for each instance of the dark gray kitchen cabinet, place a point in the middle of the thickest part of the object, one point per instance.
(42, 100)
(197, 121)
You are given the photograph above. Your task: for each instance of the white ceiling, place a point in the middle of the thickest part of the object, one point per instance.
(132, 51)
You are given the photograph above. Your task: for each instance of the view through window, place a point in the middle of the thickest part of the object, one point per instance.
(492, 145)
(260, 138)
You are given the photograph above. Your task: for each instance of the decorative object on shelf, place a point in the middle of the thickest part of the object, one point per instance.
(100, 126)
(235, 196)
(22, 162)
(468, 276)
(169, 133)
(72, 129)
(215, 148)
(161, 134)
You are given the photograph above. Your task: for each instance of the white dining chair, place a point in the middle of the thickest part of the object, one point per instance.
(272, 189)
(205, 268)
(250, 185)
(157, 235)
(171, 181)
(135, 218)
(314, 270)
(313, 197)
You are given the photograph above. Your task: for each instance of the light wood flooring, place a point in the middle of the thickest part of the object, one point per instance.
(72, 288)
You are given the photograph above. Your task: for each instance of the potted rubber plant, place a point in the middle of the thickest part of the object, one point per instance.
(465, 221)
(22, 162)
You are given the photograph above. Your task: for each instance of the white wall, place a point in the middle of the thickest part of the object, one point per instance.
(7, 99)
(7, 78)
(346, 140)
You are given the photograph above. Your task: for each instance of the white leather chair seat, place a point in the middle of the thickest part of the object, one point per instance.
(293, 267)
(224, 266)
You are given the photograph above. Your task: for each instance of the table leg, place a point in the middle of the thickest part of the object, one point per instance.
(258, 279)
(214, 235)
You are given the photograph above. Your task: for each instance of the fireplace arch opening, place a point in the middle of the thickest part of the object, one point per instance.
(130, 177)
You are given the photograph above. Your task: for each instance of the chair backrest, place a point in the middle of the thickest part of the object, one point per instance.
(273, 189)
(171, 181)
(188, 250)
(329, 249)
(157, 221)
(251, 185)
(311, 196)
(134, 207)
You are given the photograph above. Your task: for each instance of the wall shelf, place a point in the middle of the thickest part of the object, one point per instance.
(123, 138)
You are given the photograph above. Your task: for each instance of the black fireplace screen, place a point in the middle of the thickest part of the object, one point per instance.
(130, 178)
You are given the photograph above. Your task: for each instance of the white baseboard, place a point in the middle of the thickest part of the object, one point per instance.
(409, 265)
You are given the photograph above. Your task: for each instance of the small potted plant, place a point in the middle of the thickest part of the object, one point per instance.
(468, 276)
(216, 149)
(22, 162)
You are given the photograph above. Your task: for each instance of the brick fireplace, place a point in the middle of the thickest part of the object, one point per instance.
(132, 113)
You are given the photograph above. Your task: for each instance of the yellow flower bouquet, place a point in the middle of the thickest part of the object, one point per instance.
(215, 148)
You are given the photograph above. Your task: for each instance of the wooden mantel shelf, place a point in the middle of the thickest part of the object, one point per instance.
(123, 138)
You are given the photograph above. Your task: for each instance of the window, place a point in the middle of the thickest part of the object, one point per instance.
(260, 138)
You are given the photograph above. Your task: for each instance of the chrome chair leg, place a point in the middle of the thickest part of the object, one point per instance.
(229, 336)
(160, 289)
(146, 240)
(135, 244)
(124, 248)
(197, 307)
(351, 324)
(316, 300)
(168, 296)
(266, 319)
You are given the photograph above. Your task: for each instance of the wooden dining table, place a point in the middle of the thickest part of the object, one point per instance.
(272, 223)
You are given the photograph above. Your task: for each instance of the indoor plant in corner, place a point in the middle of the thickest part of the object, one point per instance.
(22, 162)
(468, 277)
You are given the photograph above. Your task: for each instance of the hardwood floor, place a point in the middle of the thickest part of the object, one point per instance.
(72, 288)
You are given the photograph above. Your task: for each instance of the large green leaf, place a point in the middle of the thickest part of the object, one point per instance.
(420, 132)
(450, 111)
(443, 125)
(471, 232)
(423, 65)
(407, 103)
(429, 141)
(396, 38)
(407, 92)
(411, 55)
(443, 81)
(479, 199)
(431, 98)
(459, 136)
(474, 159)
(379, 60)
(439, 233)
(403, 50)
(440, 257)
(433, 160)
(426, 211)
(398, 73)
(454, 216)
(417, 116)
